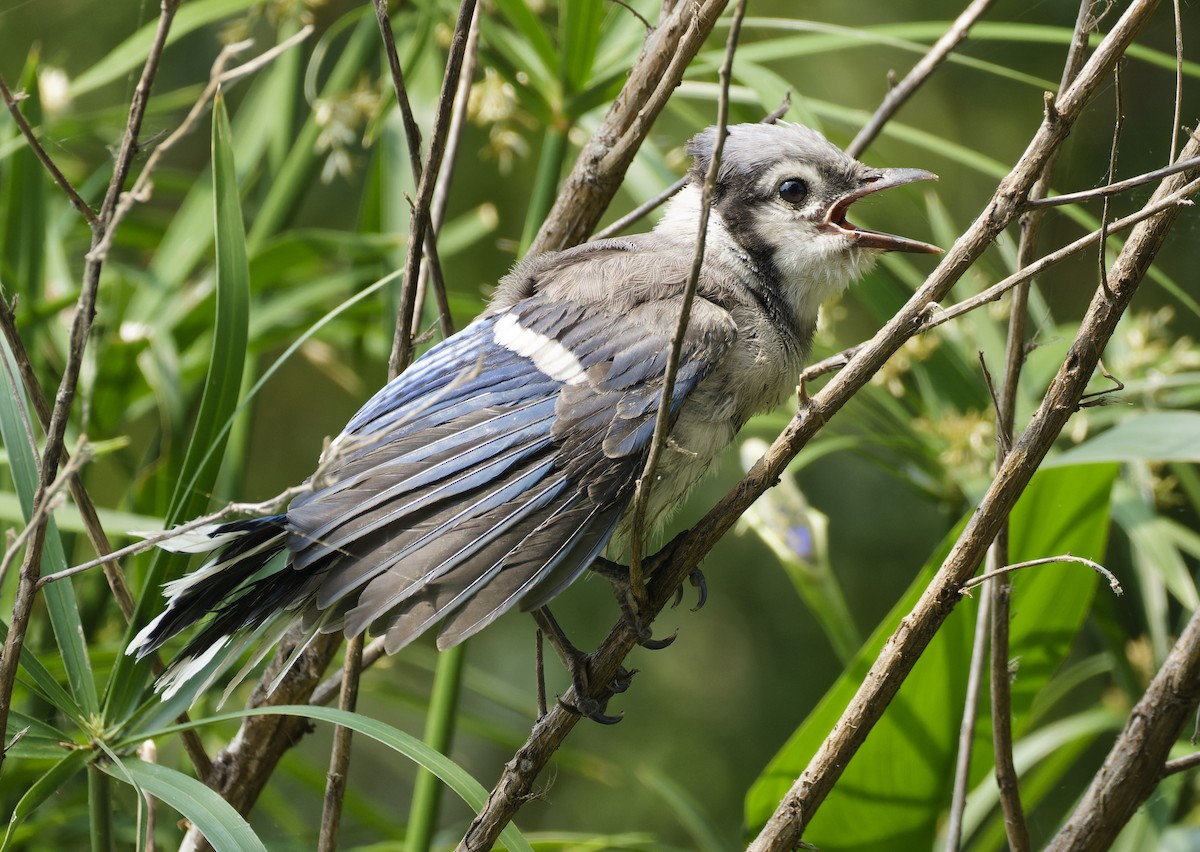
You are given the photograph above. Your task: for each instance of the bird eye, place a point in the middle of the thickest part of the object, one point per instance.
(793, 191)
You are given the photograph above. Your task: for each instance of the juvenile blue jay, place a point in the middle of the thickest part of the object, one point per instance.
(495, 470)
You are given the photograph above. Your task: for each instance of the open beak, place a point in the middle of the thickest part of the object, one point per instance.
(878, 179)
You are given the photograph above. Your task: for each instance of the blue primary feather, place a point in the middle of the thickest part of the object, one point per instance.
(476, 481)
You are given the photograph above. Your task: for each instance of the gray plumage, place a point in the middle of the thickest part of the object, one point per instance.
(495, 470)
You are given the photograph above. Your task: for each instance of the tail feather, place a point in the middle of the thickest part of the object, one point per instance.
(228, 585)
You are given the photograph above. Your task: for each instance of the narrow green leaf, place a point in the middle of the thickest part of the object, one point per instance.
(579, 35)
(23, 257)
(1150, 436)
(214, 817)
(42, 789)
(217, 404)
(38, 678)
(532, 31)
(59, 597)
(455, 777)
(131, 53)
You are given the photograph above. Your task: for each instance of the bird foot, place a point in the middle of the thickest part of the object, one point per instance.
(631, 598)
(578, 664)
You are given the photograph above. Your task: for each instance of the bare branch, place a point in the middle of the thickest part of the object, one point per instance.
(1113, 583)
(13, 101)
(601, 165)
(339, 760)
(419, 222)
(1138, 759)
(1114, 188)
(662, 422)
(667, 194)
(899, 94)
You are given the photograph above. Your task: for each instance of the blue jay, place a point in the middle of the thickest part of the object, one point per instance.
(497, 468)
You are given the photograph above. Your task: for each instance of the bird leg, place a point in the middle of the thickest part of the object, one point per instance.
(627, 597)
(578, 664)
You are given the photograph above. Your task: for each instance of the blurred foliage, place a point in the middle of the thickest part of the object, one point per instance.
(294, 338)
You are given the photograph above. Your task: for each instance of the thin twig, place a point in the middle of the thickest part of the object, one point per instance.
(219, 75)
(966, 729)
(149, 542)
(899, 94)
(1181, 764)
(418, 224)
(441, 191)
(431, 267)
(662, 422)
(332, 686)
(1007, 781)
(31, 139)
(45, 509)
(412, 131)
(339, 760)
(1113, 583)
(1114, 188)
(1178, 114)
(1118, 121)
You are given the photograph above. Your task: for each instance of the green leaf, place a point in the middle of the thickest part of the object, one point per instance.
(454, 776)
(131, 53)
(214, 817)
(23, 257)
(892, 793)
(43, 683)
(1151, 436)
(59, 597)
(44, 788)
(218, 403)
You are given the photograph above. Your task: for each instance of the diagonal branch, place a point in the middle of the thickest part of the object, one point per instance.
(909, 640)
(900, 93)
(596, 176)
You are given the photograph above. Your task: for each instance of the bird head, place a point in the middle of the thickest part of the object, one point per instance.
(782, 195)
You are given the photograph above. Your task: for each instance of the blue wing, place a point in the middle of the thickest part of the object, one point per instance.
(495, 469)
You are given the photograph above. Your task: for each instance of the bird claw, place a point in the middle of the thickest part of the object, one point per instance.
(696, 578)
(630, 599)
(594, 707)
(578, 664)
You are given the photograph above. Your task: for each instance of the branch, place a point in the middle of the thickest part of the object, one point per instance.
(418, 224)
(1066, 390)
(1138, 759)
(1114, 188)
(667, 194)
(898, 95)
(1113, 583)
(662, 422)
(65, 185)
(601, 165)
